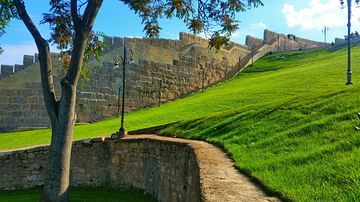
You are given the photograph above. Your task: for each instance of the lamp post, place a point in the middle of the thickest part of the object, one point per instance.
(160, 86)
(325, 31)
(278, 42)
(342, 4)
(117, 61)
(252, 55)
(118, 111)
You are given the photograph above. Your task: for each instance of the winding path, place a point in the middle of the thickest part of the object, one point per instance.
(220, 181)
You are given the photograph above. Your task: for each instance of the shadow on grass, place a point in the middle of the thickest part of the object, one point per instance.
(82, 194)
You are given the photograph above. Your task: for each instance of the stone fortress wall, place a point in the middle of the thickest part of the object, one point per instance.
(163, 70)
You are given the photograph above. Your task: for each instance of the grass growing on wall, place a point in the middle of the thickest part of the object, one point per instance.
(288, 120)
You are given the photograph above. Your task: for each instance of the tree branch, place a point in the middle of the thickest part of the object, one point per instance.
(74, 14)
(44, 59)
(81, 39)
(90, 14)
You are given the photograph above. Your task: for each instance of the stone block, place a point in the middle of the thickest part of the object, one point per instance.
(118, 42)
(108, 41)
(28, 60)
(6, 70)
(36, 58)
(19, 67)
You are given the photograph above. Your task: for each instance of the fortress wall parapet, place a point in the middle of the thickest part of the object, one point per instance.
(117, 42)
(253, 42)
(190, 38)
(290, 41)
(270, 36)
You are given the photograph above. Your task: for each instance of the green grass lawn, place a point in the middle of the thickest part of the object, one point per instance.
(81, 195)
(288, 121)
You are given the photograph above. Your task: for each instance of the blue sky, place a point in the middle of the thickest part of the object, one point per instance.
(305, 18)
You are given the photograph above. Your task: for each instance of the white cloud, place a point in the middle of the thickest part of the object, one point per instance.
(258, 25)
(237, 34)
(255, 29)
(169, 35)
(13, 53)
(204, 35)
(318, 14)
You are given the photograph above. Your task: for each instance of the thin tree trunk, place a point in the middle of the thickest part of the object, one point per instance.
(57, 180)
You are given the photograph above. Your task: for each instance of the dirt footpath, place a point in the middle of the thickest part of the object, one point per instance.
(220, 181)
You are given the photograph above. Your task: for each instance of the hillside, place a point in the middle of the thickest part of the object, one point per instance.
(288, 121)
(291, 126)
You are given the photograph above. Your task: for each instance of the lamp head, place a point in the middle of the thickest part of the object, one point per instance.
(342, 4)
(116, 62)
(132, 61)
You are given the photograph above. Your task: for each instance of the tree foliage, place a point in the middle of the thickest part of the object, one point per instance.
(62, 34)
(214, 17)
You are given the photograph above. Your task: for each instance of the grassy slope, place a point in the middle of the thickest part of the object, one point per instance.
(80, 195)
(288, 121)
(295, 134)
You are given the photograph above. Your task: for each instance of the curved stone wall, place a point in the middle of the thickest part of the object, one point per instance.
(167, 170)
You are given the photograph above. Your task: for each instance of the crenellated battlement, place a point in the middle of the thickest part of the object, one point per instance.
(28, 60)
(6, 70)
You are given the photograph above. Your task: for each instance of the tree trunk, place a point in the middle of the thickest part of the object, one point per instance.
(57, 179)
(61, 113)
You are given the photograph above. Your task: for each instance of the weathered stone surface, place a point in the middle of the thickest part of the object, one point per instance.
(168, 171)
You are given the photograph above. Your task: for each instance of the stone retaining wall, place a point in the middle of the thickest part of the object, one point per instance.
(167, 170)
